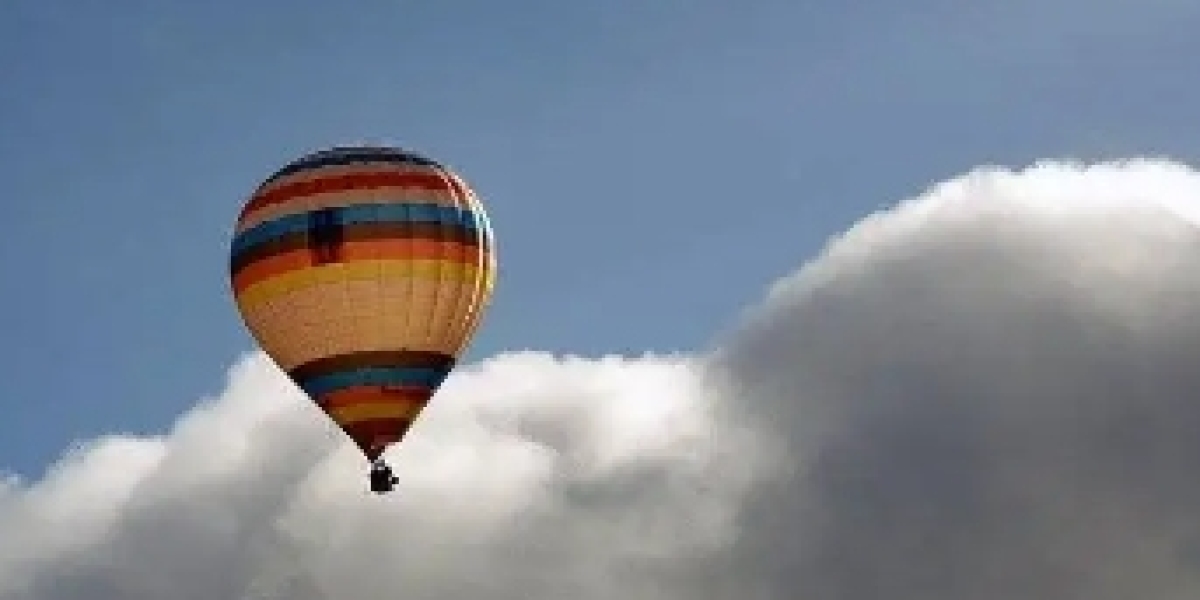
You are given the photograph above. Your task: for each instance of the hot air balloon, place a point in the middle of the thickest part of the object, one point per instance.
(363, 272)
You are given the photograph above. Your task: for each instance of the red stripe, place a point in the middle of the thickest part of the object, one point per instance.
(353, 181)
(374, 436)
(372, 394)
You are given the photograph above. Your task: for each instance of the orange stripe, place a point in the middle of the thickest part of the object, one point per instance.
(388, 249)
(363, 413)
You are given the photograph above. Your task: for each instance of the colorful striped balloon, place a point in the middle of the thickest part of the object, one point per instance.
(363, 272)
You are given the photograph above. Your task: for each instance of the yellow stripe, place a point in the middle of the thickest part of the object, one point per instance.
(355, 413)
(349, 316)
(265, 290)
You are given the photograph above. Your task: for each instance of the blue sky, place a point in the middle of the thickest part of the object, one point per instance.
(649, 166)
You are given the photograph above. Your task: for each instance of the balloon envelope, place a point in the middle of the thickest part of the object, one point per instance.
(363, 273)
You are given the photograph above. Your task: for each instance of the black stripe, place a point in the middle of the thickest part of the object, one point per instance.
(412, 359)
(325, 235)
(339, 156)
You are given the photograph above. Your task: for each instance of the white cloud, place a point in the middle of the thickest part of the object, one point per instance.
(530, 475)
(988, 392)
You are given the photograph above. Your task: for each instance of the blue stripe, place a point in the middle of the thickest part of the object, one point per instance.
(359, 213)
(408, 377)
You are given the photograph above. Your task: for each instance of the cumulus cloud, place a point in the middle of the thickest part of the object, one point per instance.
(990, 392)
(987, 392)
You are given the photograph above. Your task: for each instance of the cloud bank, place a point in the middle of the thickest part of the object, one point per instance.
(987, 392)
(990, 392)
